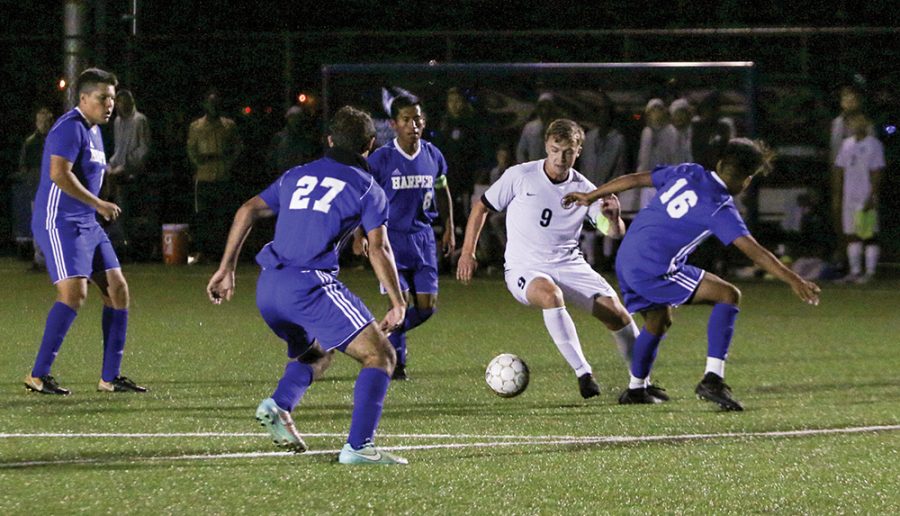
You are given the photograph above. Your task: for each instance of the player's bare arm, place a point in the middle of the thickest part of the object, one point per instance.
(221, 285)
(360, 242)
(805, 290)
(467, 264)
(611, 209)
(619, 184)
(445, 209)
(381, 257)
(61, 174)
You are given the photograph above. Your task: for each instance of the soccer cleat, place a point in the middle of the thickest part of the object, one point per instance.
(399, 373)
(120, 384)
(863, 279)
(657, 392)
(368, 454)
(713, 388)
(45, 385)
(280, 426)
(639, 396)
(588, 386)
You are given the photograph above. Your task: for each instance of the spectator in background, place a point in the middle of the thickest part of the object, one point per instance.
(494, 234)
(680, 111)
(710, 135)
(460, 136)
(213, 146)
(295, 144)
(531, 142)
(658, 144)
(851, 102)
(24, 187)
(602, 159)
(860, 163)
(126, 173)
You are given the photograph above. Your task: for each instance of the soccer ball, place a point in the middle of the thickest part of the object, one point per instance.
(507, 375)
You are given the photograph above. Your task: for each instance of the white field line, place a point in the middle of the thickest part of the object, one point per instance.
(534, 441)
(263, 434)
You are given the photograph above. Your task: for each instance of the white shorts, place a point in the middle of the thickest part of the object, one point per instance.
(579, 283)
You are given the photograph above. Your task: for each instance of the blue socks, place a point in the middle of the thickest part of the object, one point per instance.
(115, 328)
(59, 320)
(297, 378)
(720, 330)
(368, 401)
(644, 353)
(413, 319)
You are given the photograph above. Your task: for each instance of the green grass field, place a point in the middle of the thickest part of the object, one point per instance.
(192, 445)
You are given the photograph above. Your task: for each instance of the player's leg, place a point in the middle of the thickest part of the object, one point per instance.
(539, 290)
(854, 244)
(377, 357)
(725, 299)
(872, 252)
(657, 321)
(68, 265)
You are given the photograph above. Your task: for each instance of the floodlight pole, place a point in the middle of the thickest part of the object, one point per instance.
(74, 15)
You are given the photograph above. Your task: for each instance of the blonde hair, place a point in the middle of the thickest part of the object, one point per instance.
(566, 130)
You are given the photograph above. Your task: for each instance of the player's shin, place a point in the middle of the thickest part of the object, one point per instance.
(115, 329)
(59, 320)
(368, 402)
(562, 330)
(645, 347)
(719, 331)
(293, 384)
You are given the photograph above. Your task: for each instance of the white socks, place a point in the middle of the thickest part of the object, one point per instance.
(854, 256)
(625, 340)
(715, 365)
(562, 331)
(872, 253)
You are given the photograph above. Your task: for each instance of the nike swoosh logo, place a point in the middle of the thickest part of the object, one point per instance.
(372, 458)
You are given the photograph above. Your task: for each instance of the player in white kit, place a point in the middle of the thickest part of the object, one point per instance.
(544, 266)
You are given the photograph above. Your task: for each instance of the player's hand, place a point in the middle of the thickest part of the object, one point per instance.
(807, 291)
(448, 241)
(609, 207)
(466, 267)
(360, 246)
(393, 319)
(108, 210)
(221, 286)
(578, 198)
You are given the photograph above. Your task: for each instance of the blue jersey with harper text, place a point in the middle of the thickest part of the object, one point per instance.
(74, 139)
(409, 183)
(690, 205)
(318, 205)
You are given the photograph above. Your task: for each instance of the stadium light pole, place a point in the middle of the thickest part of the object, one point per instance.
(74, 15)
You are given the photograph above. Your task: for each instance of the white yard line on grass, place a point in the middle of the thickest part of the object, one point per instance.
(526, 440)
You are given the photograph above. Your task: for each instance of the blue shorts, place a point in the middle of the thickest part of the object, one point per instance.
(416, 257)
(75, 249)
(644, 291)
(302, 306)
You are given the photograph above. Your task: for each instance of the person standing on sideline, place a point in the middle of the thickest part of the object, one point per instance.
(213, 146)
(127, 166)
(413, 174)
(317, 206)
(860, 163)
(75, 246)
(25, 184)
(544, 267)
(692, 204)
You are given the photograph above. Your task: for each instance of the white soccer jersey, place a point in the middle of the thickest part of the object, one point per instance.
(859, 159)
(539, 230)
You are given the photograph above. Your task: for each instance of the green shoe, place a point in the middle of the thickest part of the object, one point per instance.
(280, 425)
(368, 454)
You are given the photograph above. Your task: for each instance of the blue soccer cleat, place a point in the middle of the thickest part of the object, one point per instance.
(280, 426)
(368, 454)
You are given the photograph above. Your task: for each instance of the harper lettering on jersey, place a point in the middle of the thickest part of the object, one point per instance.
(408, 182)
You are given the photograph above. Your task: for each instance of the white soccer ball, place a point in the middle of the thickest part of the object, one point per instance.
(507, 375)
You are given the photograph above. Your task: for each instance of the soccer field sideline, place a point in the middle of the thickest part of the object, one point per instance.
(503, 441)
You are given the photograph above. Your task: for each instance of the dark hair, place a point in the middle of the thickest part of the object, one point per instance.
(90, 78)
(402, 101)
(125, 93)
(565, 130)
(607, 106)
(352, 129)
(745, 157)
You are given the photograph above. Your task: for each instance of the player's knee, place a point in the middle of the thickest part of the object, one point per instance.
(386, 357)
(733, 295)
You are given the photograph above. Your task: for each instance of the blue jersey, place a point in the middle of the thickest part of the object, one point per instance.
(318, 206)
(409, 182)
(690, 205)
(74, 139)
